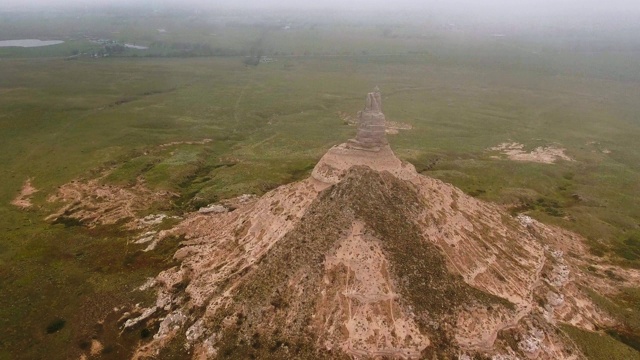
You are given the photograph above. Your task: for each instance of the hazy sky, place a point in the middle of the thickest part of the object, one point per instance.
(548, 5)
(561, 12)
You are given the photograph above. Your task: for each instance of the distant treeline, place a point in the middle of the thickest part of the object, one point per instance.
(166, 49)
(188, 49)
(185, 49)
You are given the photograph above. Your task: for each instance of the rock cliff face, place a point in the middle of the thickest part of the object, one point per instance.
(368, 259)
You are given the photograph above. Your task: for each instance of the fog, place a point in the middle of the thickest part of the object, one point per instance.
(510, 15)
(486, 7)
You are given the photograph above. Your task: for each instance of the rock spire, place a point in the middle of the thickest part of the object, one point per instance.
(371, 134)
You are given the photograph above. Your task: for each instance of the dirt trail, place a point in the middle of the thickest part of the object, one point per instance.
(236, 106)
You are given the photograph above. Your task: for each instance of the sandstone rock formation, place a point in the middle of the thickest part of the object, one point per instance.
(368, 259)
(371, 125)
(369, 148)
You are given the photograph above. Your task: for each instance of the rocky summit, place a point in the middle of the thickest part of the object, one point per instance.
(368, 259)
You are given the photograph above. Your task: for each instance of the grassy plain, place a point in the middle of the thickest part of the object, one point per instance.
(63, 119)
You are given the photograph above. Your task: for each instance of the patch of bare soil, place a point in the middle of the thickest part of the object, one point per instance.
(394, 127)
(92, 203)
(546, 155)
(96, 347)
(23, 200)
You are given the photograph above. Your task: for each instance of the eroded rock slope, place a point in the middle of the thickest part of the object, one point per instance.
(368, 259)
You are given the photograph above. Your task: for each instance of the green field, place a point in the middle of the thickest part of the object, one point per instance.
(269, 124)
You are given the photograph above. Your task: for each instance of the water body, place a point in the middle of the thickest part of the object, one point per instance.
(28, 43)
(131, 46)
